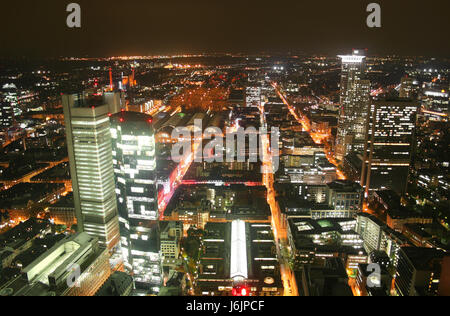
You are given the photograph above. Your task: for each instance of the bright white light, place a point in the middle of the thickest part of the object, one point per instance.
(238, 266)
(351, 58)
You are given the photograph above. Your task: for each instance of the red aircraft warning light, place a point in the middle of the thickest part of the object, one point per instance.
(240, 291)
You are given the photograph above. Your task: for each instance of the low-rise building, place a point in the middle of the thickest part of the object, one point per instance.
(63, 211)
(118, 284)
(170, 236)
(312, 240)
(239, 254)
(378, 236)
(75, 266)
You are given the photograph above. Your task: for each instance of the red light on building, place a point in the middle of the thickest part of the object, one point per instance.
(240, 291)
(122, 120)
(110, 79)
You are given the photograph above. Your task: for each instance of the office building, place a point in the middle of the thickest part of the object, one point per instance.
(6, 114)
(253, 96)
(437, 101)
(16, 100)
(308, 236)
(406, 88)
(354, 99)
(344, 196)
(337, 199)
(389, 143)
(377, 236)
(171, 234)
(420, 270)
(89, 146)
(133, 150)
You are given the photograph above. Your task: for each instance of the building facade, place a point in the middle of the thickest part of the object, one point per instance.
(89, 146)
(354, 99)
(379, 237)
(389, 143)
(133, 149)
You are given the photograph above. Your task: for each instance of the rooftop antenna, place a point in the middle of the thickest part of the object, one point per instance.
(110, 79)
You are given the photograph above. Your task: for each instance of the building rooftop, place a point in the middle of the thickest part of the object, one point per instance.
(118, 284)
(64, 202)
(23, 232)
(308, 233)
(345, 186)
(389, 197)
(399, 236)
(423, 258)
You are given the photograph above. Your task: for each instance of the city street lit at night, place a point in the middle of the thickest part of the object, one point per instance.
(225, 155)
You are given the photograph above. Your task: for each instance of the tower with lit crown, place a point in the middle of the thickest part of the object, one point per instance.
(354, 98)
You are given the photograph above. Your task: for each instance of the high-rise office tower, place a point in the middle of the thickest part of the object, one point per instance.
(353, 68)
(6, 113)
(12, 101)
(437, 100)
(389, 144)
(406, 88)
(253, 96)
(355, 96)
(91, 167)
(133, 142)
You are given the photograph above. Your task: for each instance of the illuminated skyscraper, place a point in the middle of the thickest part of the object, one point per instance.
(389, 139)
(253, 96)
(89, 147)
(6, 114)
(437, 101)
(133, 142)
(355, 94)
(406, 88)
(12, 103)
(353, 68)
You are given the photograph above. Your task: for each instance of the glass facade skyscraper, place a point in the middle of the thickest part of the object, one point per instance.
(133, 144)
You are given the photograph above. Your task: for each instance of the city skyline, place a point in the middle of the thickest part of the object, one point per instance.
(236, 151)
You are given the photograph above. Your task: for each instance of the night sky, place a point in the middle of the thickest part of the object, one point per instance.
(37, 28)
